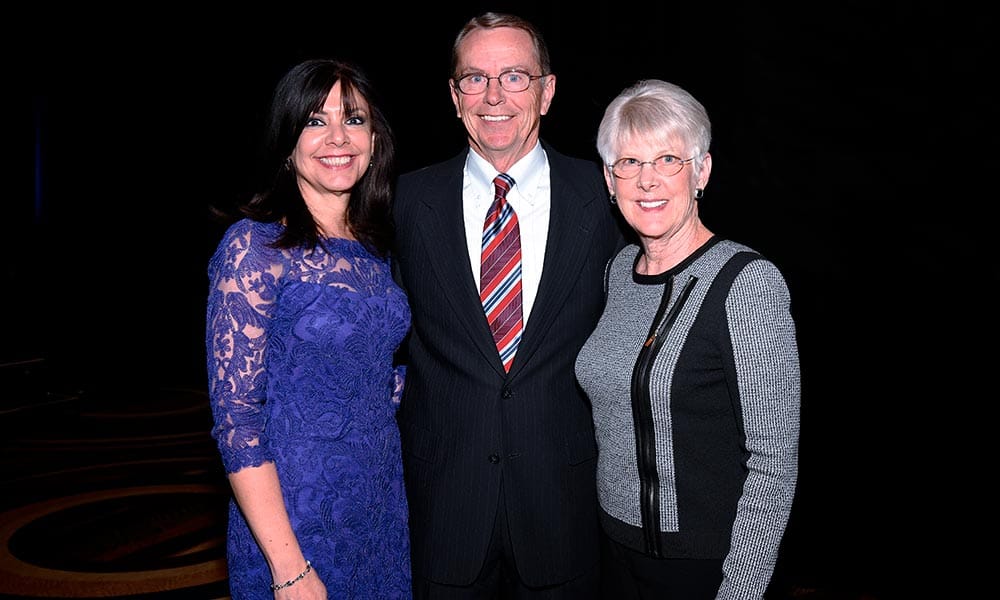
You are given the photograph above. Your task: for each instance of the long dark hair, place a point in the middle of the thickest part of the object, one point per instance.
(300, 93)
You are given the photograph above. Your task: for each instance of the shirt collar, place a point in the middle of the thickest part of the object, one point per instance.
(526, 172)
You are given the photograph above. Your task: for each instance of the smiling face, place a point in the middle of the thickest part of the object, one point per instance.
(334, 149)
(503, 126)
(659, 207)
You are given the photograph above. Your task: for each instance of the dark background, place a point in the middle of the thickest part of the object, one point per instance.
(843, 147)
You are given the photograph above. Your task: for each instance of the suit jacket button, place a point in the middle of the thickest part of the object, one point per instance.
(494, 458)
(506, 393)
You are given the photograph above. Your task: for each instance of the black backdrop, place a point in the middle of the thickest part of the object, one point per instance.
(842, 138)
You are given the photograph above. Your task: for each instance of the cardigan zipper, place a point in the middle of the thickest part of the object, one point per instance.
(642, 416)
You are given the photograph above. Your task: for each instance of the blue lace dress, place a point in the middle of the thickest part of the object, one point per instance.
(300, 362)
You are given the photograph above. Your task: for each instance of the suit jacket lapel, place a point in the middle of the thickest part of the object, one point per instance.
(566, 250)
(442, 229)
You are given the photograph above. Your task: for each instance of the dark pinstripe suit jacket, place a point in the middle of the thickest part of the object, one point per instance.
(465, 423)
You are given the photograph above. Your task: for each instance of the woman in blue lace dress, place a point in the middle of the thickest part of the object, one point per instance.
(303, 321)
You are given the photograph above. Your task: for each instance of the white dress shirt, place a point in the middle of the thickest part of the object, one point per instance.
(531, 200)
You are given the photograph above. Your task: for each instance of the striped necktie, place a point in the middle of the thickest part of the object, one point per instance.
(500, 279)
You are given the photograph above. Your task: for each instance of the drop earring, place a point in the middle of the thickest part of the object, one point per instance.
(699, 193)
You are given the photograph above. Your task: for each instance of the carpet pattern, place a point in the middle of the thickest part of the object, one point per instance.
(121, 494)
(109, 496)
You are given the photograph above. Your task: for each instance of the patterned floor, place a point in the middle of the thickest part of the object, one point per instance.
(120, 494)
(110, 497)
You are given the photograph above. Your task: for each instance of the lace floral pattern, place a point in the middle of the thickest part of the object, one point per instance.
(300, 348)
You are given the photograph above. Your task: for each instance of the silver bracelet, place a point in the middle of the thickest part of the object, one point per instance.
(280, 586)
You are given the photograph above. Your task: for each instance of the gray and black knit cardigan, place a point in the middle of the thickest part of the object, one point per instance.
(695, 384)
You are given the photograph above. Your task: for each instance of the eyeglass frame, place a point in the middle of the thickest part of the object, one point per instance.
(652, 163)
(456, 82)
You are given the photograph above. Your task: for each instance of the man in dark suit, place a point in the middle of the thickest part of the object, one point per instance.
(499, 454)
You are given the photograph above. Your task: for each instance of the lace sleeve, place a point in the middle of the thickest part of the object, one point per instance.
(242, 291)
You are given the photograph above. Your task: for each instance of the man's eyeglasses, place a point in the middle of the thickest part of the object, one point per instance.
(667, 165)
(510, 81)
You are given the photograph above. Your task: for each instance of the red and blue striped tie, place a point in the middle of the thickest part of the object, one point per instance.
(500, 279)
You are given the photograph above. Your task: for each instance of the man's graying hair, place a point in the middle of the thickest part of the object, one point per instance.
(493, 20)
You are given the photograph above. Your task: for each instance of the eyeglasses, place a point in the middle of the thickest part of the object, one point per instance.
(510, 81)
(667, 165)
